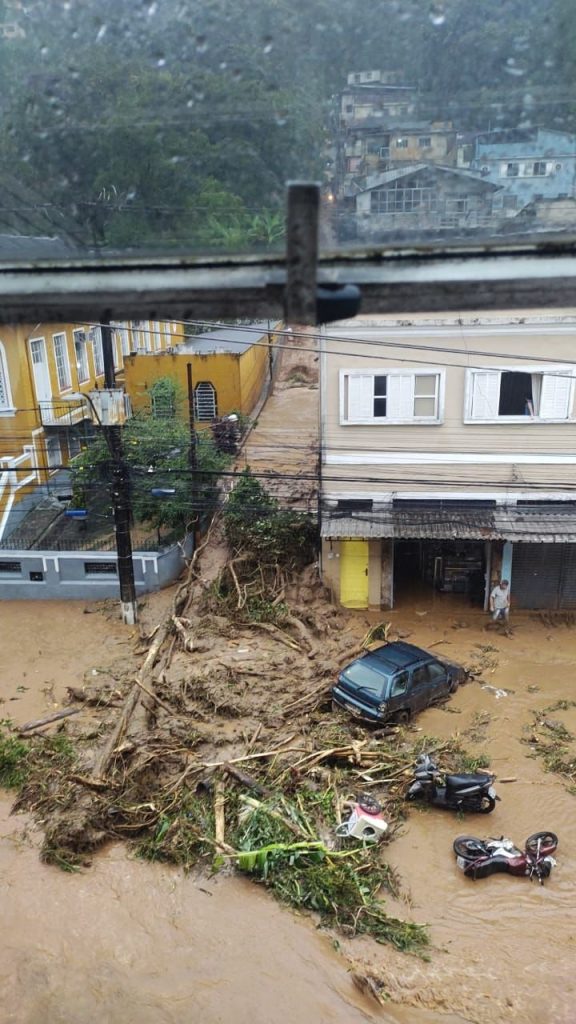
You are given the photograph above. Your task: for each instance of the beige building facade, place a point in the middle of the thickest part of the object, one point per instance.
(449, 457)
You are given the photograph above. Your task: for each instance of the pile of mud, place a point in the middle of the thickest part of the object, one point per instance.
(223, 751)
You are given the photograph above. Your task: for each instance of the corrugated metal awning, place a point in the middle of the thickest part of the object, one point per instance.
(539, 524)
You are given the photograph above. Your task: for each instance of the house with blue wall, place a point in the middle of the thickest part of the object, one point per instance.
(527, 163)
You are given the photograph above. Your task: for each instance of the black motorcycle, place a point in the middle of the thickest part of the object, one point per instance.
(471, 792)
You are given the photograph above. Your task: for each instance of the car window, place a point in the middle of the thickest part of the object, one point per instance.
(399, 684)
(436, 672)
(365, 677)
(420, 676)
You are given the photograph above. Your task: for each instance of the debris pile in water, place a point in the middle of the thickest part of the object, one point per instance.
(223, 750)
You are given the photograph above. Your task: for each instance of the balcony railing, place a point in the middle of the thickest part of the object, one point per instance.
(56, 413)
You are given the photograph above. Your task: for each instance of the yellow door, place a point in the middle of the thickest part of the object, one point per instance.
(354, 573)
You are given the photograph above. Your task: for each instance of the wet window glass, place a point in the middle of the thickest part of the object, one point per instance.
(138, 128)
(436, 673)
(399, 685)
(420, 676)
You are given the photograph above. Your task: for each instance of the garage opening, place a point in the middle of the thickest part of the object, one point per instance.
(441, 567)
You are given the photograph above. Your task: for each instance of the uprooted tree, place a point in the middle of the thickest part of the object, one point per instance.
(268, 544)
(255, 523)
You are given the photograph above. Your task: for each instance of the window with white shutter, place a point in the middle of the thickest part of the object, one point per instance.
(485, 395)
(401, 399)
(361, 397)
(555, 396)
(530, 393)
(394, 397)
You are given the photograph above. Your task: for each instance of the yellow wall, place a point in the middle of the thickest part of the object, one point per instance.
(237, 379)
(21, 428)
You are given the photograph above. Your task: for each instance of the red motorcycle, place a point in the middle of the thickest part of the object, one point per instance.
(479, 858)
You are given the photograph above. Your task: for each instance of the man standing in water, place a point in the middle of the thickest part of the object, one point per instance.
(500, 602)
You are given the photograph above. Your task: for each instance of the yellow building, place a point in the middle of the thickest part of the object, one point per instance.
(230, 368)
(41, 367)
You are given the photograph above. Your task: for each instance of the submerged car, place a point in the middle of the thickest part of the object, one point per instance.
(394, 682)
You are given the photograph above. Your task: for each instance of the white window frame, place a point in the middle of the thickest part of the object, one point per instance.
(6, 405)
(62, 362)
(538, 368)
(80, 338)
(385, 421)
(122, 332)
(137, 345)
(507, 165)
(95, 335)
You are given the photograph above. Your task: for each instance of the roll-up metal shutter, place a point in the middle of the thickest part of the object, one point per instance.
(544, 576)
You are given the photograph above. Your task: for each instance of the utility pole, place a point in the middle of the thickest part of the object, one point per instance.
(120, 492)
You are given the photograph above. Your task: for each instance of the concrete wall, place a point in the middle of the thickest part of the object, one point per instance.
(63, 573)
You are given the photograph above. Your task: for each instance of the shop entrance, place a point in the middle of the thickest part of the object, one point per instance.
(444, 566)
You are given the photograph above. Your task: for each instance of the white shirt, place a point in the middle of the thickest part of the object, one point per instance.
(500, 598)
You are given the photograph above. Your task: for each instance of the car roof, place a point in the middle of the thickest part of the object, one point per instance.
(399, 655)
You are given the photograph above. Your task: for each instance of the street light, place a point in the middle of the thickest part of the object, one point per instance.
(120, 496)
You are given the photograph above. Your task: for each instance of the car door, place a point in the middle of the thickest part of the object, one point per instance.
(420, 688)
(439, 680)
(398, 694)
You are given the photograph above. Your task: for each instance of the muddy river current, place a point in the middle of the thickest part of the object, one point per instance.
(124, 941)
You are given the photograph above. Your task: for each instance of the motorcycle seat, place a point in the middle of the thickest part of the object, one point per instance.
(463, 781)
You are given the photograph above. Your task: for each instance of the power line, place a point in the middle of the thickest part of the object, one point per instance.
(361, 341)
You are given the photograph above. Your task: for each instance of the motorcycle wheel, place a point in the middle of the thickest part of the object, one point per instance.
(468, 847)
(547, 841)
(368, 803)
(487, 804)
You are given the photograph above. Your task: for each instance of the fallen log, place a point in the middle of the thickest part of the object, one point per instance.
(245, 780)
(103, 763)
(278, 635)
(219, 805)
(154, 696)
(39, 723)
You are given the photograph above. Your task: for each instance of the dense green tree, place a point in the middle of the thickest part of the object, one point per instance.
(178, 123)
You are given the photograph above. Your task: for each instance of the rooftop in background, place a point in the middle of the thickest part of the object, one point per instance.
(228, 339)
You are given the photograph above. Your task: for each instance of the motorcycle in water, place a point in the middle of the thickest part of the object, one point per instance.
(463, 792)
(479, 858)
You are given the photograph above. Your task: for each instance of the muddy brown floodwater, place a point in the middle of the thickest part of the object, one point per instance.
(126, 942)
(505, 947)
